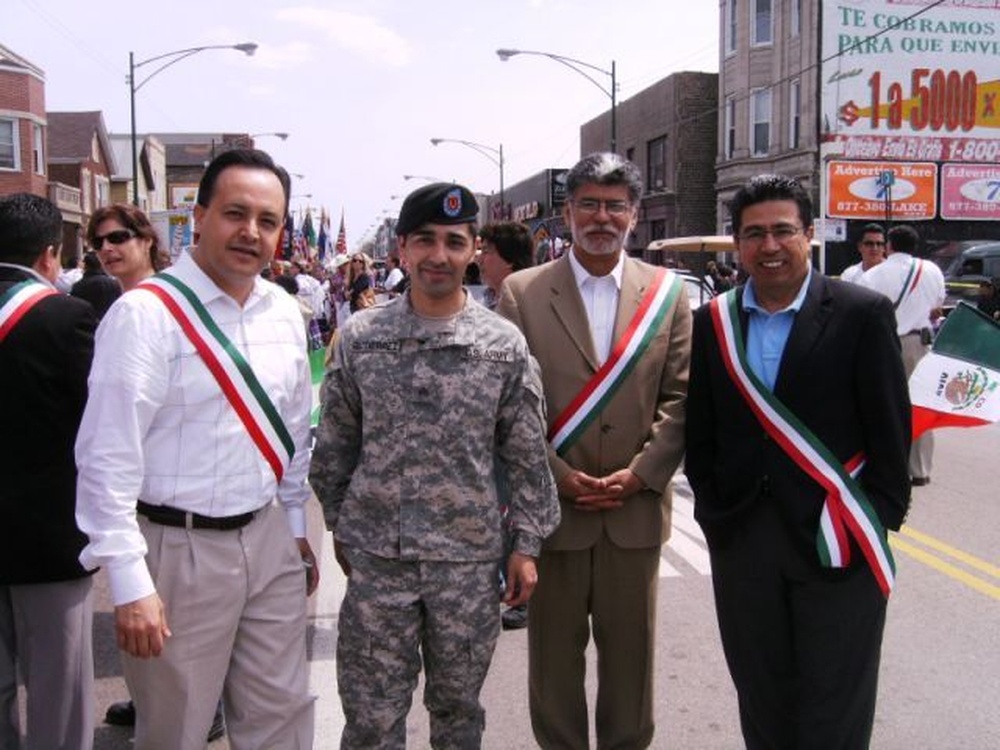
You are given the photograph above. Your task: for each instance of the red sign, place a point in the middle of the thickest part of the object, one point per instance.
(970, 191)
(855, 191)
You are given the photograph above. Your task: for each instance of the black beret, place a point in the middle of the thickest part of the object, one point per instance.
(438, 203)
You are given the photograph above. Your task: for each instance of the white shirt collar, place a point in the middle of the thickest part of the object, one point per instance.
(28, 270)
(582, 275)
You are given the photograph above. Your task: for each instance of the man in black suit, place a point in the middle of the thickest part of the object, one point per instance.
(46, 345)
(798, 425)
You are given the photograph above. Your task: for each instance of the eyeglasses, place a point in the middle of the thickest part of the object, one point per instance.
(593, 205)
(783, 233)
(117, 237)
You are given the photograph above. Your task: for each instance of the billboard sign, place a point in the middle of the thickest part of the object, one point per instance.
(859, 190)
(904, 81)
(970, 192)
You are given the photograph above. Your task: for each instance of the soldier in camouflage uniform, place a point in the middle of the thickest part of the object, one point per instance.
(425, 395)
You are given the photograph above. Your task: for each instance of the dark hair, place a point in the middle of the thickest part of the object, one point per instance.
(770, 187)
(91, 262)
(903, 239)
(513, 241)
(241, 157)
(871, 226)
(29, 224)
(288, 283)
(605, 169)
(132, 218)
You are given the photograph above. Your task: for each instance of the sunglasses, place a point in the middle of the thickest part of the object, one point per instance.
(117, 237)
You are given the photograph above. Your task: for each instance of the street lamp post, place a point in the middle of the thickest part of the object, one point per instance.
(484, 150)
(573, 64)
(176, 56)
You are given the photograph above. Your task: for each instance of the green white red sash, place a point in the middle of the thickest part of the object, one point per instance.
(588, 403)
(846, 508)
(17, 300)
(907, 290)
(232, 372)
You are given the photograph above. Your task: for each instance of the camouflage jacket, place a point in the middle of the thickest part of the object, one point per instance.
(417, 419)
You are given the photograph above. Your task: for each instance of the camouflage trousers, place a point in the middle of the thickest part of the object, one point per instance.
(392, 613)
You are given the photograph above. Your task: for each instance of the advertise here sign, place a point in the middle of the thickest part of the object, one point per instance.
(970, 192)
(864, 190)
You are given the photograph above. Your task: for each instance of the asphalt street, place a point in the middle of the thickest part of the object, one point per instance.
(940, 676)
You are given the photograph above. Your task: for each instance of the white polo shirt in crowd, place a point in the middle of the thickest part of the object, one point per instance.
(925, 289)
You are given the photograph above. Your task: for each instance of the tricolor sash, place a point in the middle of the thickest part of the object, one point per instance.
(846, 508)
(17, 300)
(232, 372)
(602, 386)
(907, 290)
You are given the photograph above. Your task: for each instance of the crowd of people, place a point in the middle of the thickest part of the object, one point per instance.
(164, 435)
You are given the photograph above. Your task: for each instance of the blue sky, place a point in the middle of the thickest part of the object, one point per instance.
(362, 87)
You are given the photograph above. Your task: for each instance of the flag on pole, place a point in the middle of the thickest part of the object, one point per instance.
(955, 384)
(287, 242)
(341, 235)
(307, 229)
(323, 241)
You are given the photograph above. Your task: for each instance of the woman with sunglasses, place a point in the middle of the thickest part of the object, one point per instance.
(126, 243)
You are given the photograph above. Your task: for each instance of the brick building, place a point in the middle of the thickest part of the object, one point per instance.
(668, 130)
(768, 121)
(22, 125)
(80, 156)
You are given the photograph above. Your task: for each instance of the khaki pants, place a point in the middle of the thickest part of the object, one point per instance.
(236, 604)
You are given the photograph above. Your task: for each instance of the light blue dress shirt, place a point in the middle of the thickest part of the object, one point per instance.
(767, 333)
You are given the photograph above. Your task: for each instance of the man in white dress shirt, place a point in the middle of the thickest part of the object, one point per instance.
(871, 246)
(916, 288)
(193, 456)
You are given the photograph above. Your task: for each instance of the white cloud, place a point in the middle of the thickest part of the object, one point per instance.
(360, 33)
(281, 56)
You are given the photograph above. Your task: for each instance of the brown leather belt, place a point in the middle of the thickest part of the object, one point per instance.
(167, 516)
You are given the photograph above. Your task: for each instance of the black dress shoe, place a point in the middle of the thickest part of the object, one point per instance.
(920, 481)
(121, 714)
(514, 618)
(218, 728)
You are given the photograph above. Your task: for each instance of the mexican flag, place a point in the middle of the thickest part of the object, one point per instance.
(955, 385)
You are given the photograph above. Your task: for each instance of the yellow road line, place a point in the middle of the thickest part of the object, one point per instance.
(971, 560)
(952, 571)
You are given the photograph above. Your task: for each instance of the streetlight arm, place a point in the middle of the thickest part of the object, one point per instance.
(570, 62)
(177, 55)
(487, 151)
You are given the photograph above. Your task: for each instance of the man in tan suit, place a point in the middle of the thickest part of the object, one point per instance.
(612, 336)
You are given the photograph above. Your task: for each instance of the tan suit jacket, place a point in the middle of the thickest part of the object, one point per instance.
(641, 428)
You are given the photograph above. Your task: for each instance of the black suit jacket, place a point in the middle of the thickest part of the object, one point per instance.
(841, 374)
(44, 363)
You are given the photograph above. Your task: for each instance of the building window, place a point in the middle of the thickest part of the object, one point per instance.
(730, 26)
(10, 153)
(656, 164)
(38, 150)
(795, 17)
(760, 122)
(760, 29)
(795, 113)
(657, 229)
(730, 122)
